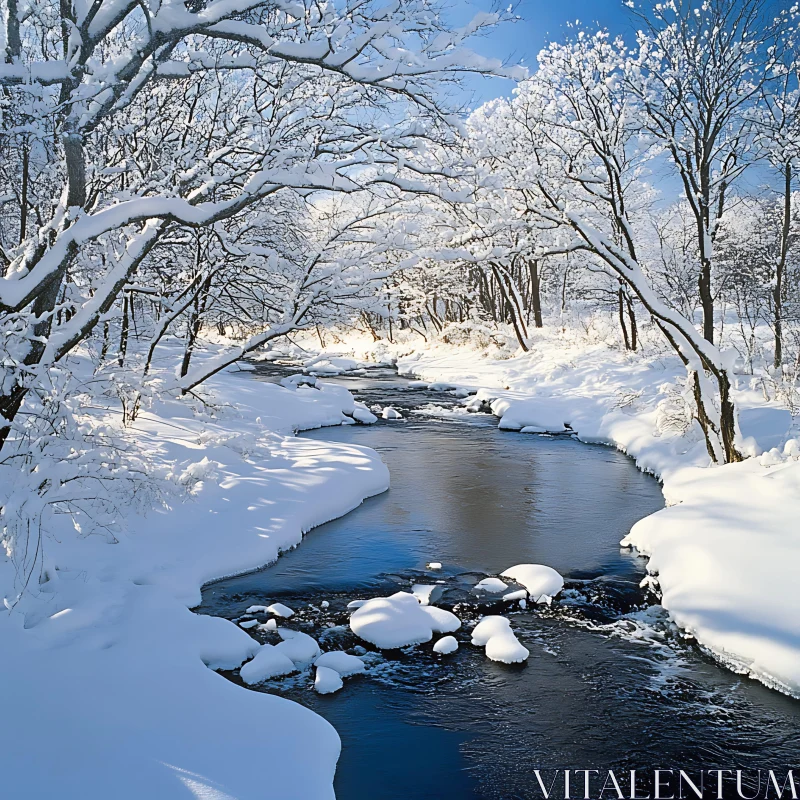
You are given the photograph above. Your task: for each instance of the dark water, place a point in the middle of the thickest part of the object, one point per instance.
(610, 684)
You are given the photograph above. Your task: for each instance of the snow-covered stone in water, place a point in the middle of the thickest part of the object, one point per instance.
(422, 592)
(462, 392)
(396, 621)
(269, 625)
(324, 604)
(446, 645)
(391, 413)
(489, 627)
(442, 620)
(505, 647)
(356, 603)
(250, 623)
(327, 681)
(345, 664)
(520, 594)
(418, 385)
(362, 414)
(541, 582)
(298, 646)
(441, 387)
(280, 610)
(492, 585)
(533, 429)
(293, 381)
(256, 610)
(268, 663)
(434, 565)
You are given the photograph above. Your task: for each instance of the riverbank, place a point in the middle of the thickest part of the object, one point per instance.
(108, 682)
(723, 555)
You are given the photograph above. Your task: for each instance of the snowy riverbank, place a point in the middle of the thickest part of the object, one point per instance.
(724, 553)
(108, 691)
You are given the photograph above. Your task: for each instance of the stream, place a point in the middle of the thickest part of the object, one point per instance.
(610, 683)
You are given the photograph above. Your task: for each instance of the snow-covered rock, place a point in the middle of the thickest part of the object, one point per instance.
(441, 620)
(495, 634)
(446, 645)
(249, 623)
(519, 594)
(345, 664)
(256, 610)
(298, 646)
(423, 591)
(491, 585)
(268, 663)
(362, 414)
(435, 565)
(543, 583)
(488, 627)
(391, 413)
(399, 620)
(293, 381)
(505, 647)
(280, 610)
(327, 681)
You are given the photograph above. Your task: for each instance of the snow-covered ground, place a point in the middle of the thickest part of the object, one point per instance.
(725, 552)
(107, 691)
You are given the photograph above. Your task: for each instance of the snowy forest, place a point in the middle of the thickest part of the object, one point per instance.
(190, 185)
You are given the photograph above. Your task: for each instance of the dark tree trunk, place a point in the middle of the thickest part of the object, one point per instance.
(777, 291)
(536, 293)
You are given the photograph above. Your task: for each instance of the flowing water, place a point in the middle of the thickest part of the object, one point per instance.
(610, 684)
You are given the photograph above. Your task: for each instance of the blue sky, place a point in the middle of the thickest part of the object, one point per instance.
(542, 21)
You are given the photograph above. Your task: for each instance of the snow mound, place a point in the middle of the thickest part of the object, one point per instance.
(280, 610)
(488, 627)
(399, 620)
(492, 585)
(345, 664)
(327, 681)
(506, 648)
(299, 647)
(293, 381)
(446, 645)
(268, 663)
(391, 413)
(501, 644)
(543, 583)
(362, 414)
(442, 621)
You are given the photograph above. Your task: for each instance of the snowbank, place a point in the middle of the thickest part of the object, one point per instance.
(108, 690)
(724, 554)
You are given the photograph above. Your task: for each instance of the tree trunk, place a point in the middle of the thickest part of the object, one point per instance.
(621, 309)
(777, 291)
(536, 293)
(123, 334)
(632, 321)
